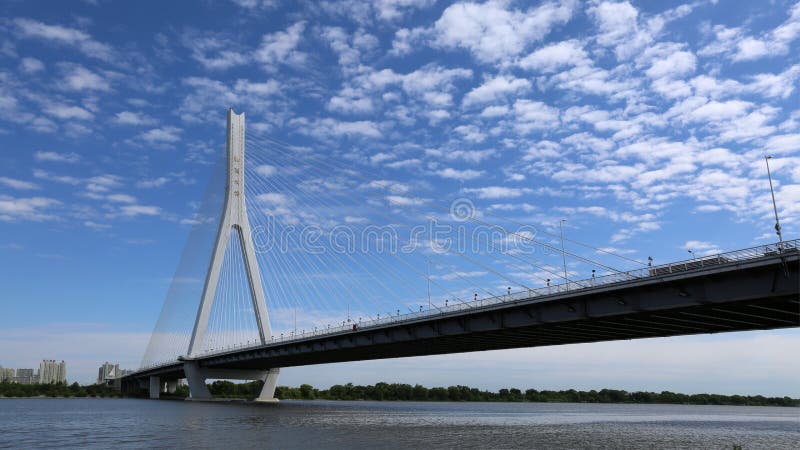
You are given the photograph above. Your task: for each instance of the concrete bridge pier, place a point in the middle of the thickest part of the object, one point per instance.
(196, 377)
(270, 379)
(155, 387)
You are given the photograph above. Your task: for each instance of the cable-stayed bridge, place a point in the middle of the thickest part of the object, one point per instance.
(315, 260)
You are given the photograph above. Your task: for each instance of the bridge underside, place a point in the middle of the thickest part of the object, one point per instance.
(757, 295)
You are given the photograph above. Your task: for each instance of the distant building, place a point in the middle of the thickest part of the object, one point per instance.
(25, 376)
(52, 372)
(7, 375)
(108, 373)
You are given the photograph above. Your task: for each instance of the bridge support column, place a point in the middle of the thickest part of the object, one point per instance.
(172, 386)
(196, 379)
(267, 394)
(155, 387)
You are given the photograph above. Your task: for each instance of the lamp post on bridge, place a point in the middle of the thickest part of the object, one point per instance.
(774, 205)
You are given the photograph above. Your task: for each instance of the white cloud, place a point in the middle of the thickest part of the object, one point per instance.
(625, 30)
(430, 78)
(608, 173)
(213, 51)
(783, 144)
(400, 200)
(496, 88)
(79, 78)
(734, 43)
(95, 225)
(677, 64)
(262, 89)
(403, 163)
(459, 275)
(140, 210)
(332, 127)
(702, 248)
(18, 184)
(207, 94)
(65, 179)
(31, 208)
(617, 22)
(281, 47)
(495, 192)
(556, 56)
(495, 111)
(274, 199)
(103, 183)
(31, 65)
(121, 198)
(257, 4)
(774, 85)
(351, 101)
(472, 156)
(163, 135)
(132, 118)
(407, 39)
(266, 170)
(64, 35)
(56, 157)
(492, 32)
(773, 43)
(470, 133)
(461, 175)
(67, 112)
(396, 9)
(533, 115)
(152, 183)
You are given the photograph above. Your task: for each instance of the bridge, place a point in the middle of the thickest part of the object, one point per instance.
(749, 289)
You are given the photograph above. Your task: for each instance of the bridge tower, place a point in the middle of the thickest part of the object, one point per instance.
(234, 220)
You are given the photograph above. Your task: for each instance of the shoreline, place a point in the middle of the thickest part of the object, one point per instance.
(250, 401)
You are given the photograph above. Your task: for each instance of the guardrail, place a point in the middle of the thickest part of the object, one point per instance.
(698, 263)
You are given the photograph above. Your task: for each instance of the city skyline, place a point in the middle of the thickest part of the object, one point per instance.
(49, 371)
(645, 127)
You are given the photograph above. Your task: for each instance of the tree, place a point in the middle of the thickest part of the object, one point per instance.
(307, 392)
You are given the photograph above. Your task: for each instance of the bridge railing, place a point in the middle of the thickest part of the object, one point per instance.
(697, 263)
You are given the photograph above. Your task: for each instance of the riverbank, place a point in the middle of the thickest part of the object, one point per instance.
(58, 390)
(405, 392)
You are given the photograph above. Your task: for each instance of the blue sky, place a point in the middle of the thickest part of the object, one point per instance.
(645, 127)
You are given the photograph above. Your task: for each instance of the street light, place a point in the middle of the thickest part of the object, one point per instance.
(774, 205)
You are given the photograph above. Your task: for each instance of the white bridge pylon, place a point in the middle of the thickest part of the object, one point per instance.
(234, 220)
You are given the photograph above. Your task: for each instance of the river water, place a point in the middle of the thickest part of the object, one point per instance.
(131, 423)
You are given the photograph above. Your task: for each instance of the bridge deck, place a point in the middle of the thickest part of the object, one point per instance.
(757, 293)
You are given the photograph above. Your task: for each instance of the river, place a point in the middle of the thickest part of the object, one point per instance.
(133, 423)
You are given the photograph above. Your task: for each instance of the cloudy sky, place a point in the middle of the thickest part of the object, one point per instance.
(644, 126)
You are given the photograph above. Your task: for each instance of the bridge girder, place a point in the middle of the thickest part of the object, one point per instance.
(759, 294)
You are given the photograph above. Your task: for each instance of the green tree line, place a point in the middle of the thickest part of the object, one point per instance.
(56, 390)
(407, 392)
